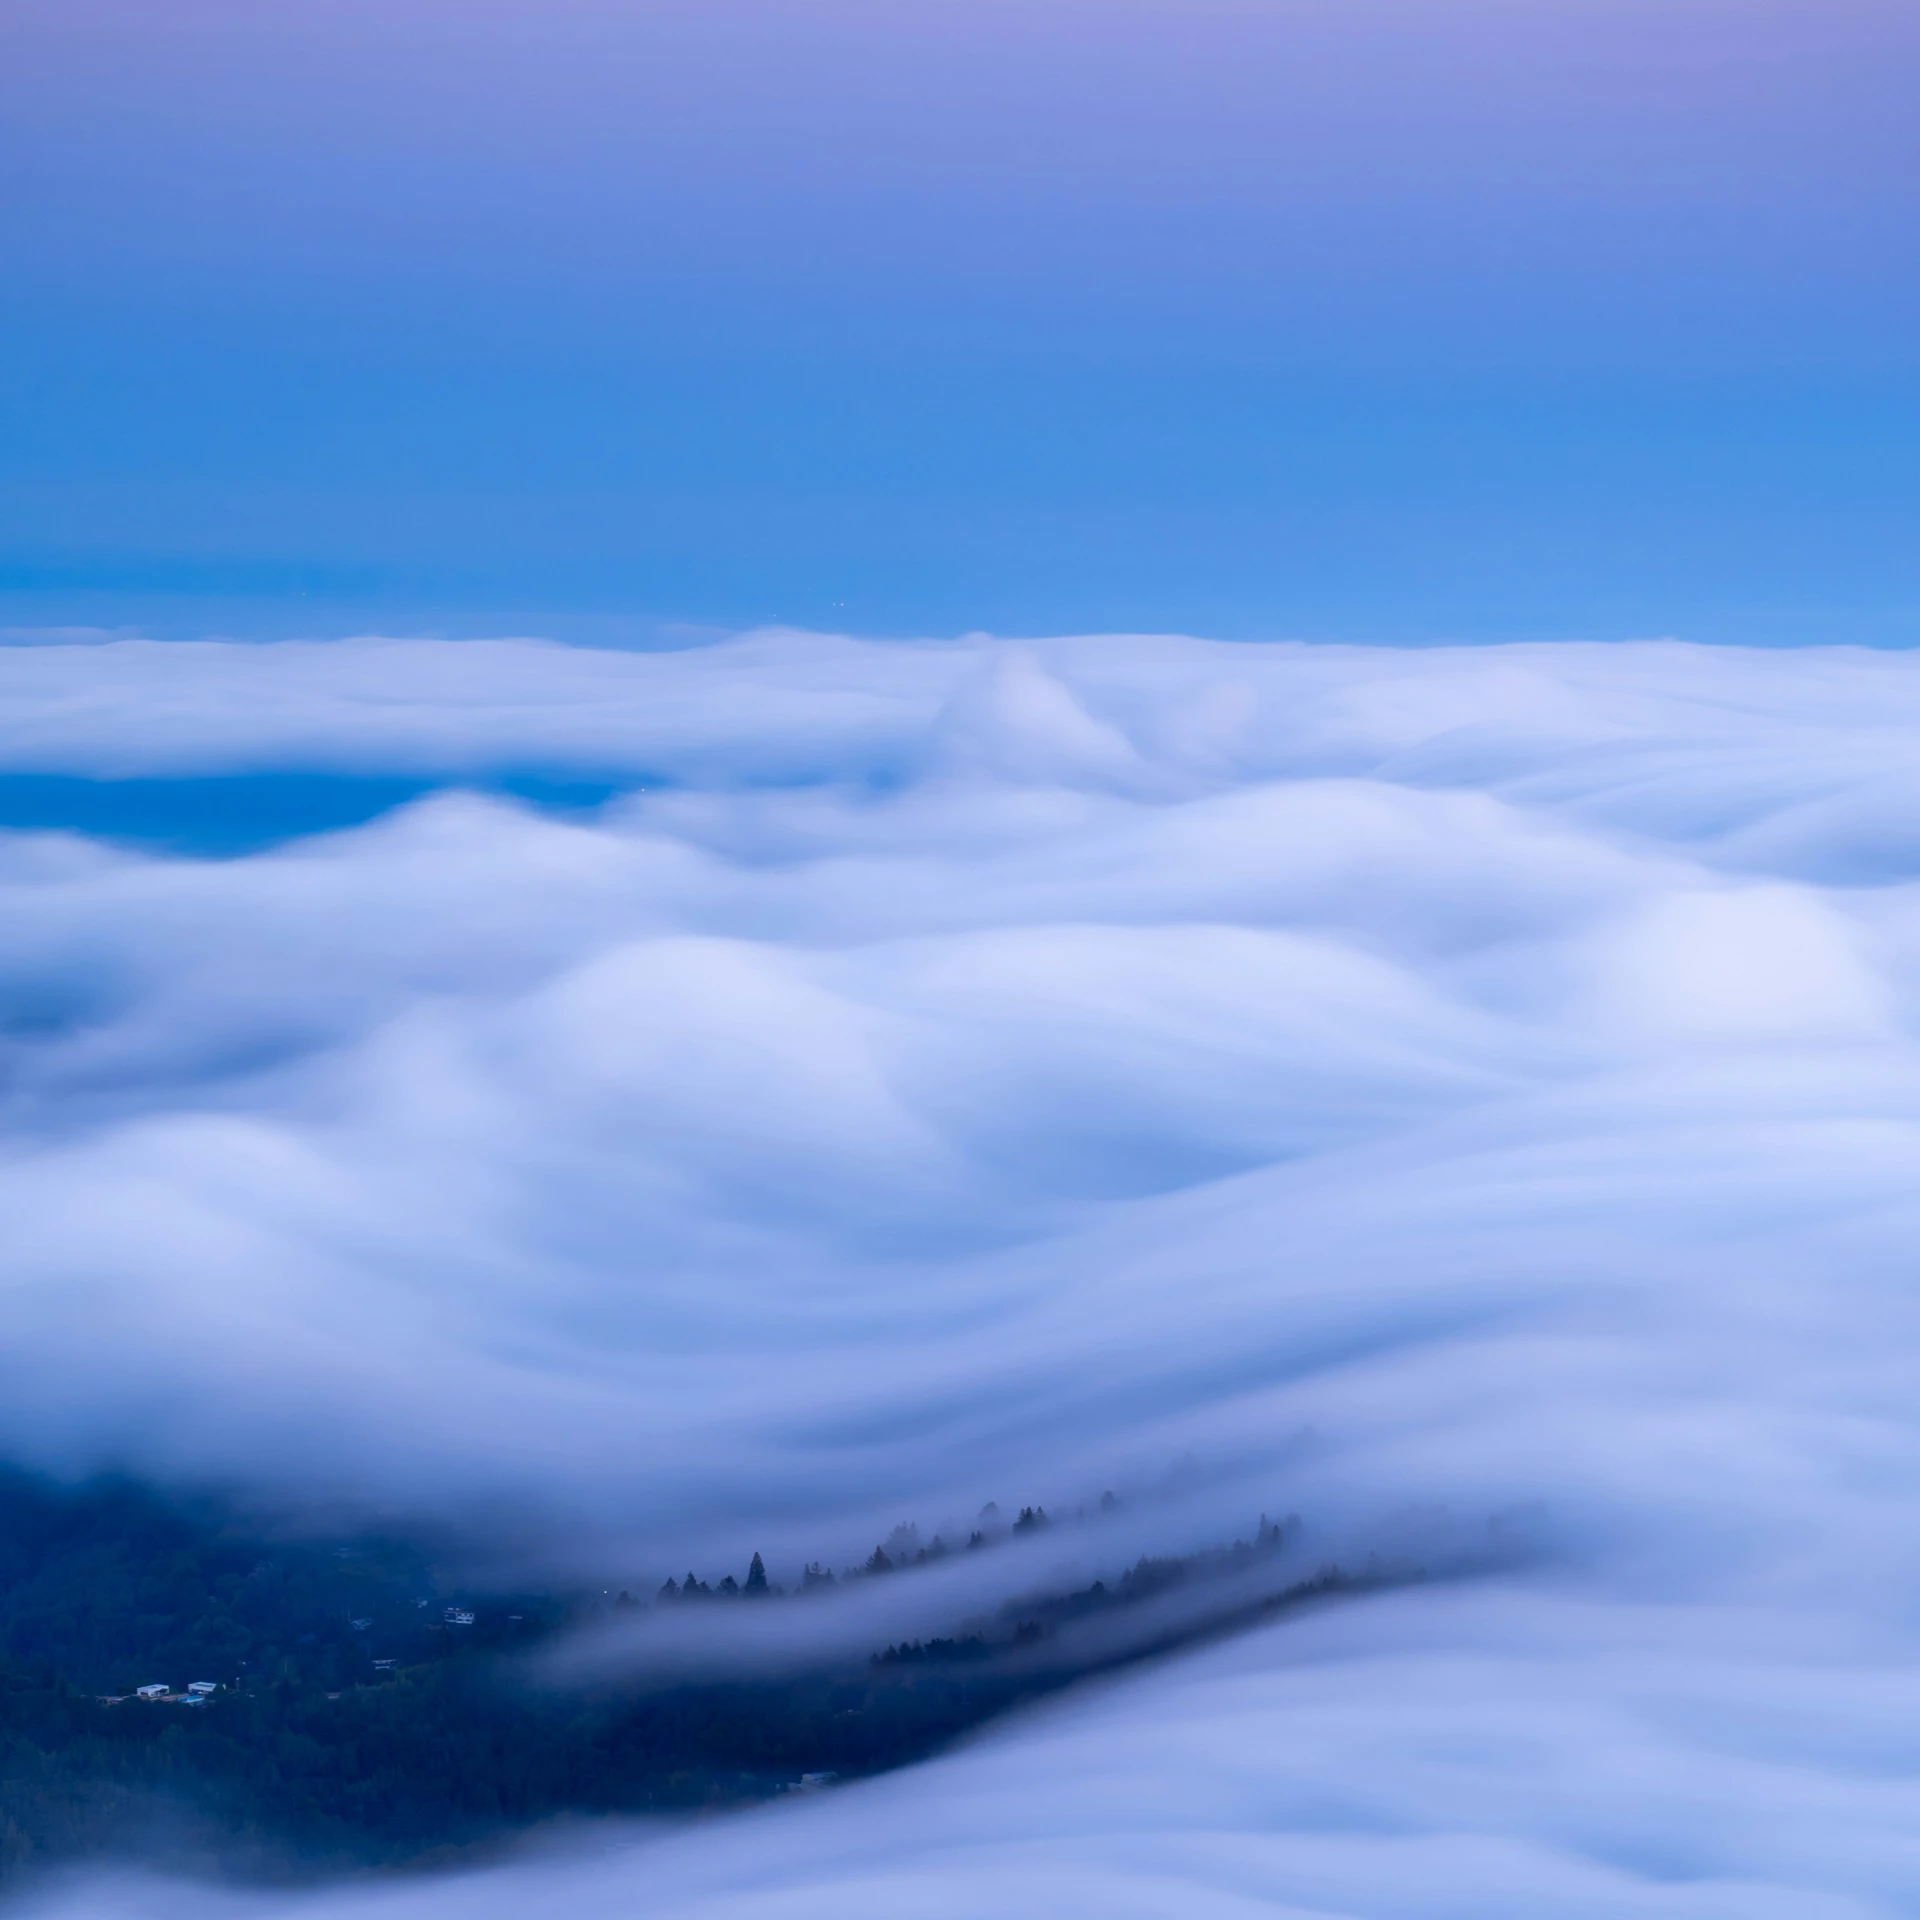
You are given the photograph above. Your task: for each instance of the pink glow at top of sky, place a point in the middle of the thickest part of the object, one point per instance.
(991, 149)
(927, 316)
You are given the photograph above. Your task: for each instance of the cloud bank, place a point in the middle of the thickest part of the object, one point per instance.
(1385, 1086)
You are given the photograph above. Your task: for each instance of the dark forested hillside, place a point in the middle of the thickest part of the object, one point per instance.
(359, 1714)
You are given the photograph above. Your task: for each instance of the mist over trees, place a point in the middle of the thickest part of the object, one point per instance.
(359, 1711)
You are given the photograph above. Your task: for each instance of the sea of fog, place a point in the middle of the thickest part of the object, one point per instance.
(640, 1109)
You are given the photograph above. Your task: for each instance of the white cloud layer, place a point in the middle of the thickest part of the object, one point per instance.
(1476, 1081)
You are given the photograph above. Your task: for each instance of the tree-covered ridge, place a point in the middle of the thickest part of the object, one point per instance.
(364, 1716)
(114, 1586)
(903, 1547)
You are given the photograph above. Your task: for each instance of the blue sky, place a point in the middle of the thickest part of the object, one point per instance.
(1379, 321)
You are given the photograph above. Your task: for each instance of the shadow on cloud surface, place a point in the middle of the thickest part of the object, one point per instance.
(1385, 1083)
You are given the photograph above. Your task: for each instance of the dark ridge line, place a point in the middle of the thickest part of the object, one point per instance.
(324, 1752)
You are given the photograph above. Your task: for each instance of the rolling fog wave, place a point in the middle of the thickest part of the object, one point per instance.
(1374, 1085)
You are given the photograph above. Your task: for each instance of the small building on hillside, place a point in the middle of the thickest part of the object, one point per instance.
(158, 1691)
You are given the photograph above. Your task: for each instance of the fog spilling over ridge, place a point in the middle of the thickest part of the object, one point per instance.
(1460, 1097)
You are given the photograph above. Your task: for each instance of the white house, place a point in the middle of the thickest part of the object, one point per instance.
(158, 1691)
